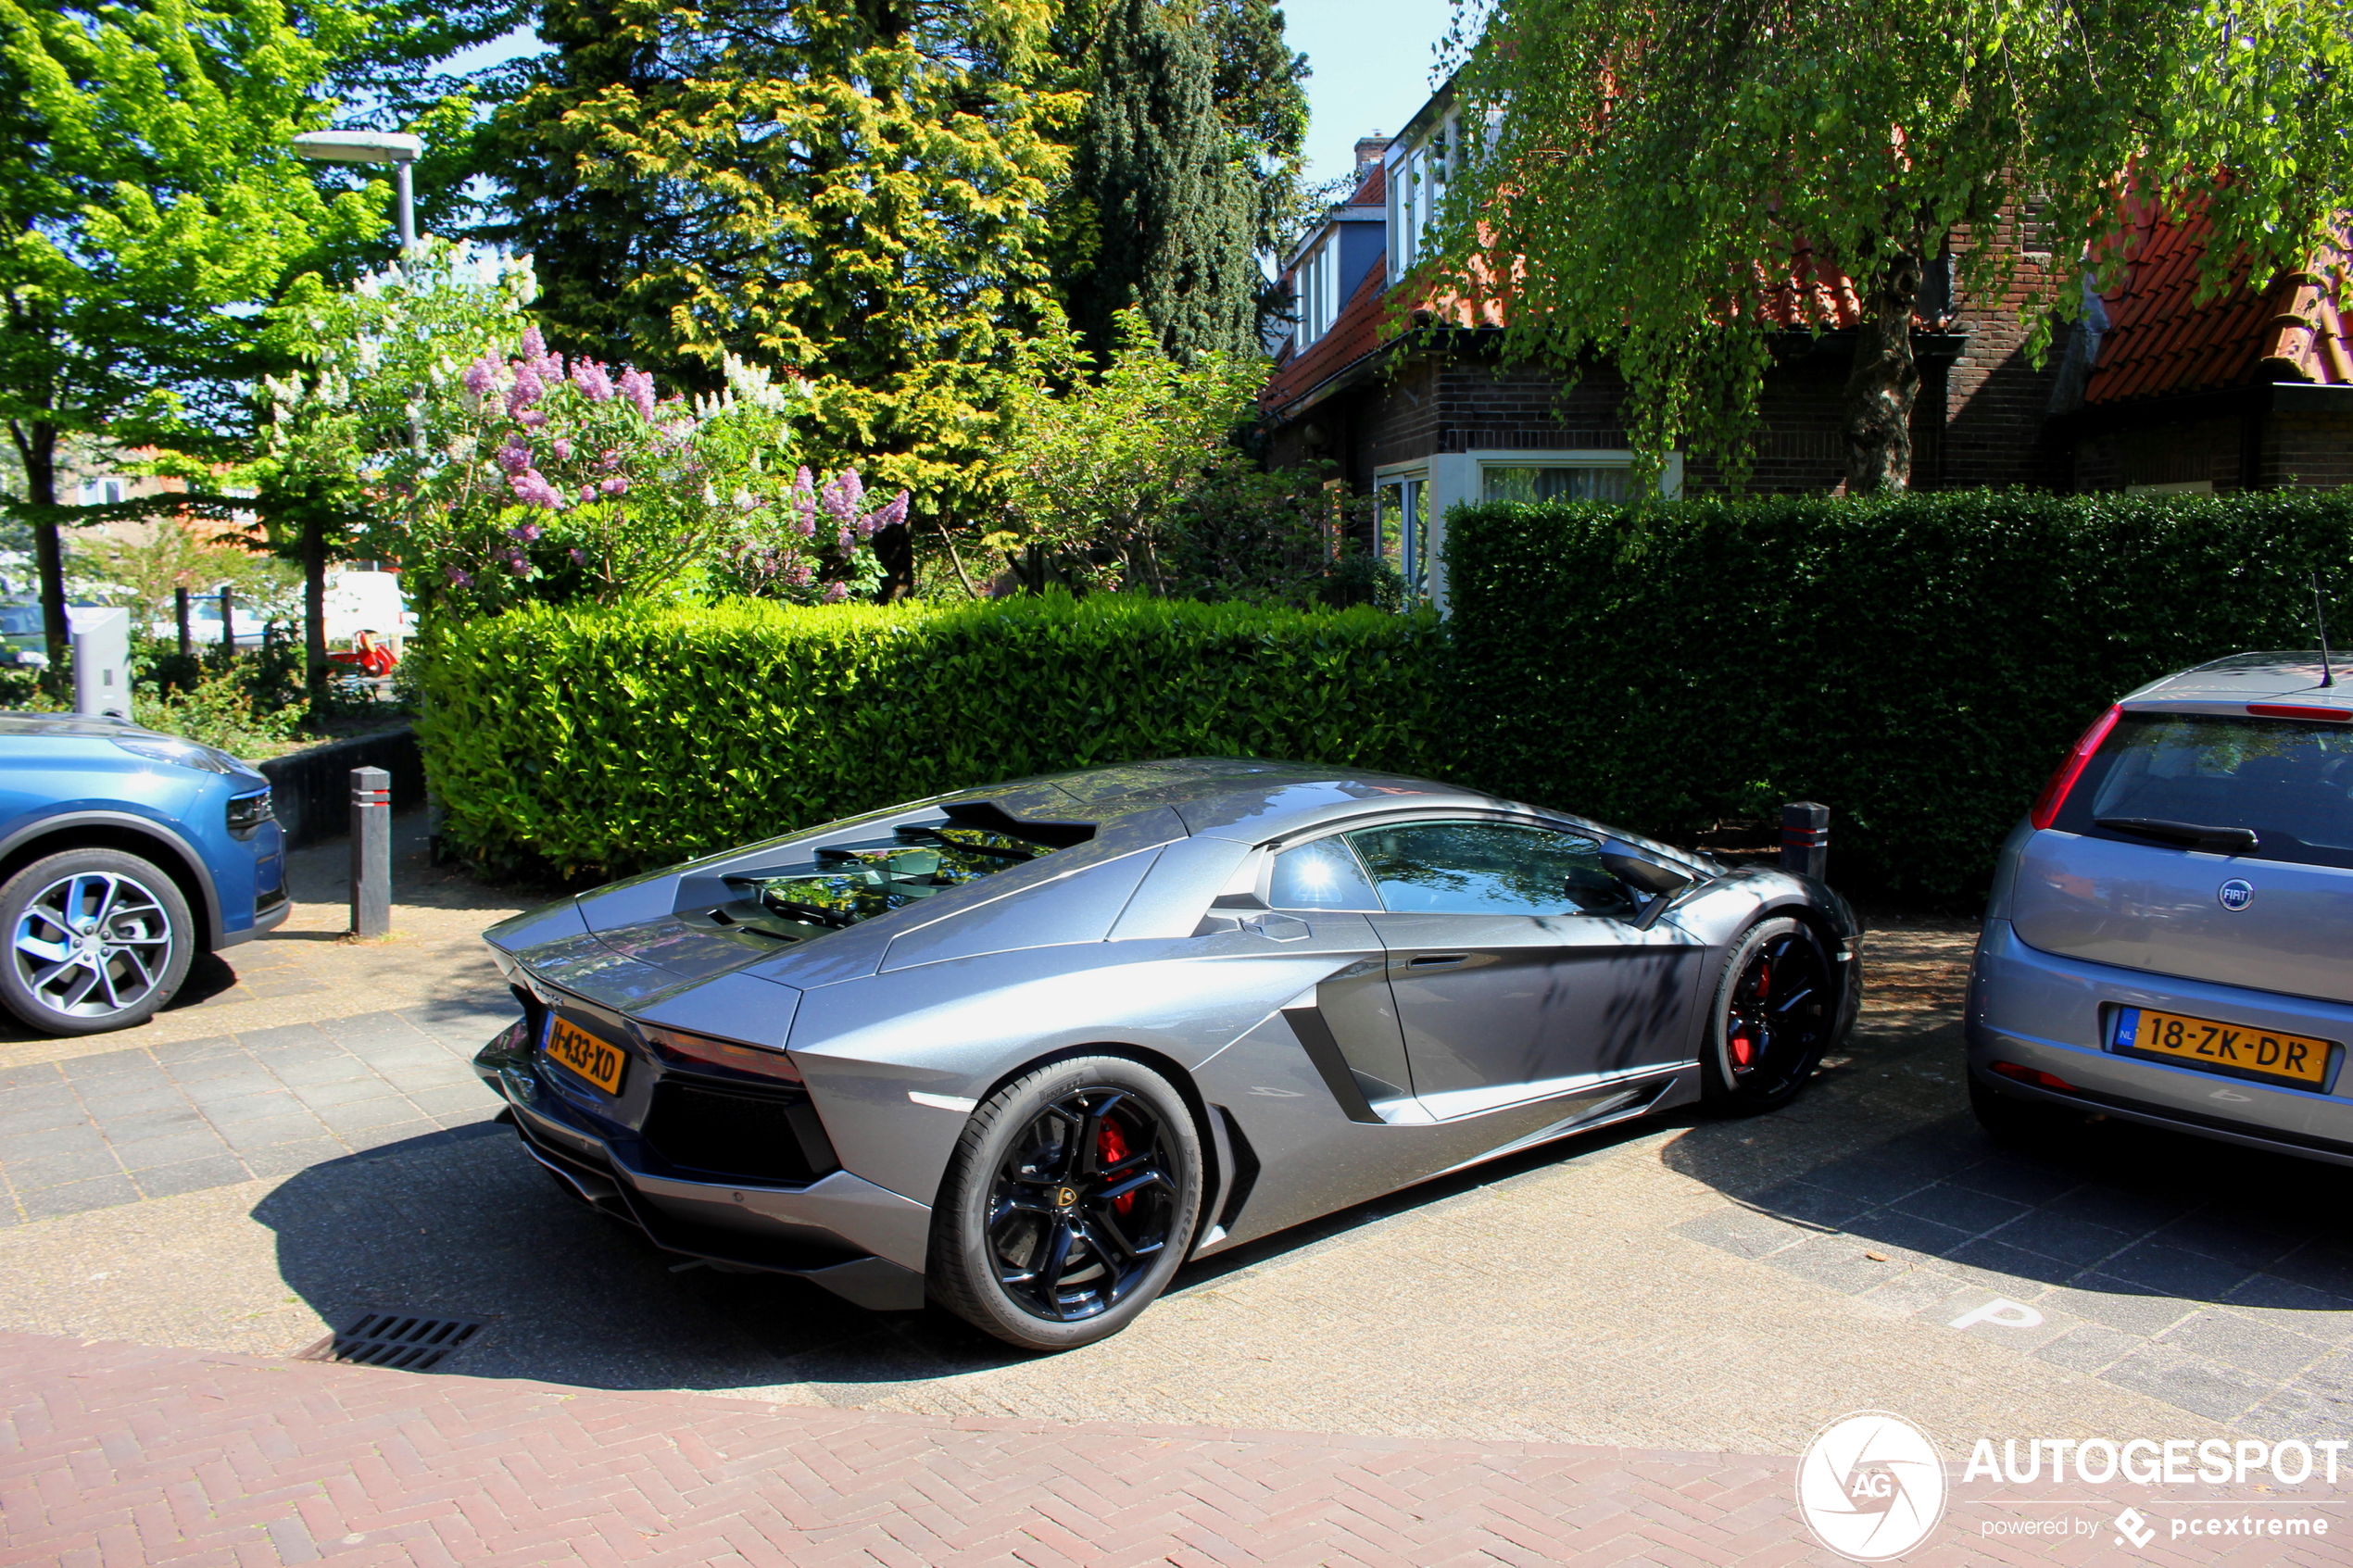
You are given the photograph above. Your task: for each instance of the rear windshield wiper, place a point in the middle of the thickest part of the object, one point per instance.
(2236, 841)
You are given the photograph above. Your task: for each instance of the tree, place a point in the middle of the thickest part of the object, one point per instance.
(151, 203)
(860, 192)
(1655, 170)
(1260, 90)
(1177, 212)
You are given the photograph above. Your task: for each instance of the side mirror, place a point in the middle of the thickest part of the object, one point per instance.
(1648, 875)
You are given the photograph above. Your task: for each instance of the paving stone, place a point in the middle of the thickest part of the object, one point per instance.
(1838, 1263)
(2058, 1237)
(2228, 1237)
(55, 1170)
(143, 1154)
(1884, 1228)
(2317, 1267)
(308, 1070)
(361, 1115)
(180, 1053)
(1912, 1292)
(2018, 1179)
(349, 1090)
(74, 1197)
(1870, 1177)
(2089, 1347)
(299, 1154)
(1997, 1258)
(390, 1135)
(2273, 1354)
(1741, 1231)
(1808, 1204)
(2300, 1414)
(136, 1095)
(177, 1121)
(290, 1038)
(2136, 1214)
(238, 1067)
(2297, 1307)
(2175, 1272)
(243, 1136)
(193, 1176)
(76, 1138)
(457, 1100)
(2120, 1304)
(33, 1110)
(1972, 1213)
(2202, 1387)
(107, 1064)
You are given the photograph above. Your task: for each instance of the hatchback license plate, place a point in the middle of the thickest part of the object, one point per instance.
(2202, 1042)
(575, 1048)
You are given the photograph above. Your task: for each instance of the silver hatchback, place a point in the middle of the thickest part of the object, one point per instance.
(2170, 936)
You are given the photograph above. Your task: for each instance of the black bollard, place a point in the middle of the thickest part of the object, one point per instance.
(1806, 839)
(370, 852)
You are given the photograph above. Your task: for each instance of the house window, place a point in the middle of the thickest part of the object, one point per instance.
(102, 491)
(1315, 280)
(1417, 183)
(1400, 523)
(1501, 481)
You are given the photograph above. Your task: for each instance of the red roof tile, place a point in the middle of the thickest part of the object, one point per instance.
(1356, 331)
(2161, 341)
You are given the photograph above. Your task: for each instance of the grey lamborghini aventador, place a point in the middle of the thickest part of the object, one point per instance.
(1024, 1050)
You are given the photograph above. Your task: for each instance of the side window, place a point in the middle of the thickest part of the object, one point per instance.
(1322, 875)
(1489, 869)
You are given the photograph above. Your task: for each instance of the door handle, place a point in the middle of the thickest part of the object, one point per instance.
(1437, 960)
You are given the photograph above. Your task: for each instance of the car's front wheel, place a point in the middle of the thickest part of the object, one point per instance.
(97, 940)
(1068, 1205)
(1776, 1004)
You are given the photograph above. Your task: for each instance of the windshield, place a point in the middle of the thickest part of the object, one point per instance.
(16, 620)
(2288, 783)
(850, 882)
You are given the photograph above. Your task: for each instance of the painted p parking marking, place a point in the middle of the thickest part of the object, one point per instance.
(2001, 1312)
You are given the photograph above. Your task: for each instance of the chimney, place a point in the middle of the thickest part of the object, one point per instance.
(1369, 149)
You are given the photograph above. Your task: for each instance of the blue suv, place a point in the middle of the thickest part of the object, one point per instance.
(123, 853)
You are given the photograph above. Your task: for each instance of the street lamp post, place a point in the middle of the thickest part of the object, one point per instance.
(372, 146)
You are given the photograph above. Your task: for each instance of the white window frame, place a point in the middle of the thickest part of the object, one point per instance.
(1458, 477)
(1415, 561)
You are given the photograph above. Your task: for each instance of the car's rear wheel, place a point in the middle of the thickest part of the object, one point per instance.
(97, 940)
(1776, 1005)
(1068, 1205)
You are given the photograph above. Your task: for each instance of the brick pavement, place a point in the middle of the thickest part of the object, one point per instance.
(115, 1454)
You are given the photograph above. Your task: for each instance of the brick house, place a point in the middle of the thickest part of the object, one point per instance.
(2154, 391)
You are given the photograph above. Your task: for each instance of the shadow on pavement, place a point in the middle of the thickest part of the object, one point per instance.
(465, 1224)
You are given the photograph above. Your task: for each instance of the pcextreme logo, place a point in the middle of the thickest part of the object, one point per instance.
(1870, 1486)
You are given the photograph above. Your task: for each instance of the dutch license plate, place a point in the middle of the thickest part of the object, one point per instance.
(575, 1048)
(2202, 1042)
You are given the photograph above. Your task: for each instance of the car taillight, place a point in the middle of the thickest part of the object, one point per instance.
(2035, 1077)
(675, 1045)
(2047, 804)
(247, 813)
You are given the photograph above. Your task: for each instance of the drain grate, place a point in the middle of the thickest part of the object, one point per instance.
(407, 1341)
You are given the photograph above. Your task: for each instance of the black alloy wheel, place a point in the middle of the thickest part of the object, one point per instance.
(1775, 1007)
(1070, 1202)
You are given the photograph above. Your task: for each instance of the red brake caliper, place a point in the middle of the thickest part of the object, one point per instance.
(1109, 1150)
(1743, 1045)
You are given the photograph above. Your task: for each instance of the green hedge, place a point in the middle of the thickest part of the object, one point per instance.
(1917, 664)
(599, 742)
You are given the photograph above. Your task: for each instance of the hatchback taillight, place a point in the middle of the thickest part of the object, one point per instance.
(2047, 804)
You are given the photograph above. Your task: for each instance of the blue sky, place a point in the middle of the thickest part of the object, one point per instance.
(1372, 61)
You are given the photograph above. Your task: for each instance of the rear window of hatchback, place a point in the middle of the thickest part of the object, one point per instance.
(2288, 783)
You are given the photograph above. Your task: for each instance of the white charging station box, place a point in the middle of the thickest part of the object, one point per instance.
(101, 659)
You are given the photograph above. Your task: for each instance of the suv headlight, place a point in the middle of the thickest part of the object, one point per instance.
(186, 753)
(247, 813)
